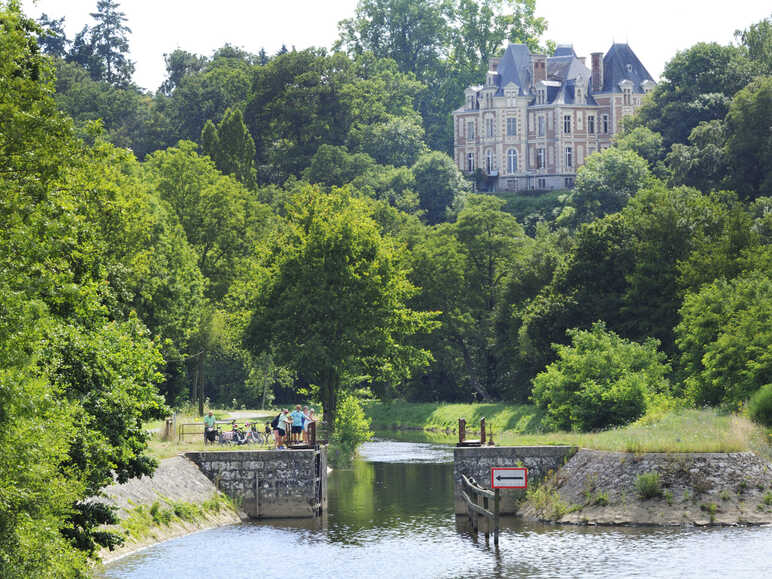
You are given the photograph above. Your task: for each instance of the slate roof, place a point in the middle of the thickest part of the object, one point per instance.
(615, 69)
(564, 50)
(515, 66)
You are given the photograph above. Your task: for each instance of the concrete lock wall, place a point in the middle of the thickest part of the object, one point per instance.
(476, 462)
(270, 483)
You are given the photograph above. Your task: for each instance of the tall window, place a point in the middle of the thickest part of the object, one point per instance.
(626, 95)
(541, 96)
(512, 161)
(470, 130)
(605, 124)
(569, 157)
(470, 162)
(540, 158)
(567, 124)
(541, 126)
(511, 126)
(591, 124)
(488, 127)
(489, 161)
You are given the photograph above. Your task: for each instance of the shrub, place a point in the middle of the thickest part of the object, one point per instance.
(352, 428)
(760, 405)
(648, 485)
(600, 380)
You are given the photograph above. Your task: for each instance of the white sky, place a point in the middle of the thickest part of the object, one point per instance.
(655, 29)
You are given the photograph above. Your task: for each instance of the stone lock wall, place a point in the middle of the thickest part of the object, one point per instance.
(476, 462)
(270, 483)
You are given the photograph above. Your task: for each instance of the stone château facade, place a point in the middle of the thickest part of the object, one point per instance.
(537, 118)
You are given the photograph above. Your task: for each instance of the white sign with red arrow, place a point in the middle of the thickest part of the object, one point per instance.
(509, 477)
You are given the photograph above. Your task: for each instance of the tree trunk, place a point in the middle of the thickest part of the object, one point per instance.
(200, 377)
(474, 379)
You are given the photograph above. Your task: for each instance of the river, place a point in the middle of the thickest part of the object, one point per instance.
(391, 515)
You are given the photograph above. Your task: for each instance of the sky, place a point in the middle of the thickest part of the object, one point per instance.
(654, 29)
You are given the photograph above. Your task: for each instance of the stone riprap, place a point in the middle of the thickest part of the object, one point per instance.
(600, 487)
(476, 462)
(269, 483)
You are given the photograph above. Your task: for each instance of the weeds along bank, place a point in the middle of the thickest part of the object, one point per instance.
(178, 499)
(606, 487)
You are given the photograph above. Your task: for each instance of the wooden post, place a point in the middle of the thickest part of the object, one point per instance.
(461, 430)
(496, 506)
(482, 431)
(312, 434)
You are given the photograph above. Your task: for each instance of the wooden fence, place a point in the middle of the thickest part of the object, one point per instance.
(473, 493)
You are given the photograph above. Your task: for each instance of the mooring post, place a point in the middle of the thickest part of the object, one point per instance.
(482, 431)
(496, 505)
(461, 430)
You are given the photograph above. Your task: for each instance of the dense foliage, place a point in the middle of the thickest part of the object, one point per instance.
(274, 226)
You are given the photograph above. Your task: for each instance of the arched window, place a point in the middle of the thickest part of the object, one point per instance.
(512, 161)
(489, 161)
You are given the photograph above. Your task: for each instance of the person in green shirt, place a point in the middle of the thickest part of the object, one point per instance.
(210, 429)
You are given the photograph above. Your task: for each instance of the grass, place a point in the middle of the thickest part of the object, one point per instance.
(501, 417)
(142, 520)
(688, 430)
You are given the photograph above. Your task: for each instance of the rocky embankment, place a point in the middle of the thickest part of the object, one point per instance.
(176, 481)
(599, 487)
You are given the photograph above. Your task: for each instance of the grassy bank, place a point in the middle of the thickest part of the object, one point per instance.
(686, 430)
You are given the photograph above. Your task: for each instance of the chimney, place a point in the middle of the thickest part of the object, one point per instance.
(583, 60)
(597, 71)
(493, 63)
(539, 67)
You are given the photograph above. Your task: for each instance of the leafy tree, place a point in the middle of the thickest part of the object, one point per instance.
(397, 141)
(604, 184)
(600, 380)
(92, 374)
(697, 85)
(103, 48)
(439, 185)
(724, 340)
(749, 142)
(53, 40)
(231, 147)
(703, 163)
(646, 144)
(335, 166)
(757, 38)
(334, 309)
(179, 64)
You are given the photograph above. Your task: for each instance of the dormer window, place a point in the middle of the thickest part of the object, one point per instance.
(541, 96)
(627, 96)
(629, 67)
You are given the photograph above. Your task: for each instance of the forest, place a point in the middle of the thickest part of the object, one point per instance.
(291, 226)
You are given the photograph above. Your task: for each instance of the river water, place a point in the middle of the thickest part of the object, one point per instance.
(391, 515)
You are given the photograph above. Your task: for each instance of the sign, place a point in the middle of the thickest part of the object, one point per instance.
(509, 477)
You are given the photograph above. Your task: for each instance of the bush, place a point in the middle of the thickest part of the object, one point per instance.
(648, 485)
(760, 406)
(600, 380)
(352, 428)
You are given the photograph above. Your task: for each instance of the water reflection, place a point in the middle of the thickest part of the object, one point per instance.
(392, 516)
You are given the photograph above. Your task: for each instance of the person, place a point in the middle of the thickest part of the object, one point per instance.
(297, 423)
(285, 421)
(309, 418)
(275, 429)
(238, 433)
(210, 428)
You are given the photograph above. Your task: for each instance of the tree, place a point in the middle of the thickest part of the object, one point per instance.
(103, 48)
(439, 185)
(397, 141)
(703, 163)
(231, 147)
(604, 184)
(698, 85)
(757, 38)
(724, 339)
(53, 40)
(179, 64)
(749, 140)
(600, 380)
(334, 309)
